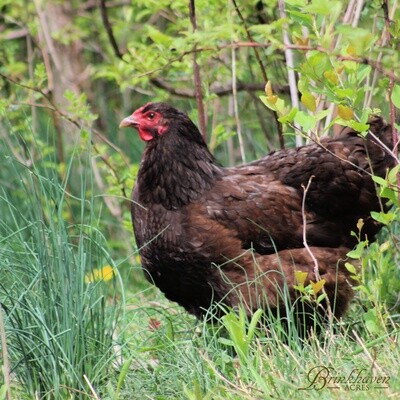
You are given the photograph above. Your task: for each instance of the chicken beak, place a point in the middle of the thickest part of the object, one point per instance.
(128, 121)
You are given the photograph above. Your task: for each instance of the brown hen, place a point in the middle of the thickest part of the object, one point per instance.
(207, 233)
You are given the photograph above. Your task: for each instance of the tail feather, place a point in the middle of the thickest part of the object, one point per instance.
(378, 145)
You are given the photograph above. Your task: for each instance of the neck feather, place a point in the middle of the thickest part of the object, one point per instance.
(175, 171)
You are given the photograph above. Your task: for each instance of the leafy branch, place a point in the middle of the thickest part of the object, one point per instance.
(53, 107)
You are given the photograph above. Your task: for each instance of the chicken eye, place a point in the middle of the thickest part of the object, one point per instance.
(151, 116)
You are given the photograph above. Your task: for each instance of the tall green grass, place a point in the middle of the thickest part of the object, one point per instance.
(59, 327)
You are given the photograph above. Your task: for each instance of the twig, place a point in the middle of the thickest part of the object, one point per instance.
(290, 67)
(263, 72)
(236, 108)
(304, 217)
(6, 365)
(360, 60)
(307, 247)
(95, 395)
(392, 109)
(107, 26)
(197, 77)
(217, 90)
(366, 352)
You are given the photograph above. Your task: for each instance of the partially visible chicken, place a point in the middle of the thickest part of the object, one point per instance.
(190, 214)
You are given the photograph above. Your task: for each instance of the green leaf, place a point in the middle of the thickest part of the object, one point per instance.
(306, 121)
(351, 268)
(321, 297)
(390, 194)
(358, 251)
(344, 93)
(372, 321)
(320, 7)
(253, 324)
(288, 117)
(225, 341)
(380, 181)
(158, 37)
(237, 332)
(358, 126)
(384, 218)
(275, 104)
(392, 177)
(396, 95)
(322, 114)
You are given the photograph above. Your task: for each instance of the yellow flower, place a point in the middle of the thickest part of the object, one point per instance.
(106, 274)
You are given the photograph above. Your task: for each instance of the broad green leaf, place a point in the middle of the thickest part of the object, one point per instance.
(344, 93)
(306, 121)
(358, 126)
(320, 7)
(158, 37)
(288, 117)
(380, 181)
(396, 95)
(390, 194)
(384, 218)
(358, 251)
(351, 268)
(273, 103)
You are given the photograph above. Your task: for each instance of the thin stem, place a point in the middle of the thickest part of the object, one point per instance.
(197, 76)
(392, 109)
(290, 68)
(6, 365)
(307, 247)
(110, 33)
(236, 108)
(263, 72)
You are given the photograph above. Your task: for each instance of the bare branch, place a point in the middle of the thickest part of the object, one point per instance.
(217, 90)
(392, 111)
(17, 34)
(107, 26)
(197, 76)
(6, 363)
(236, 108)
(290, 67)
(307, 247)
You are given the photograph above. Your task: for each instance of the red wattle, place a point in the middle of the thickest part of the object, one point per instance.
(145, 135)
